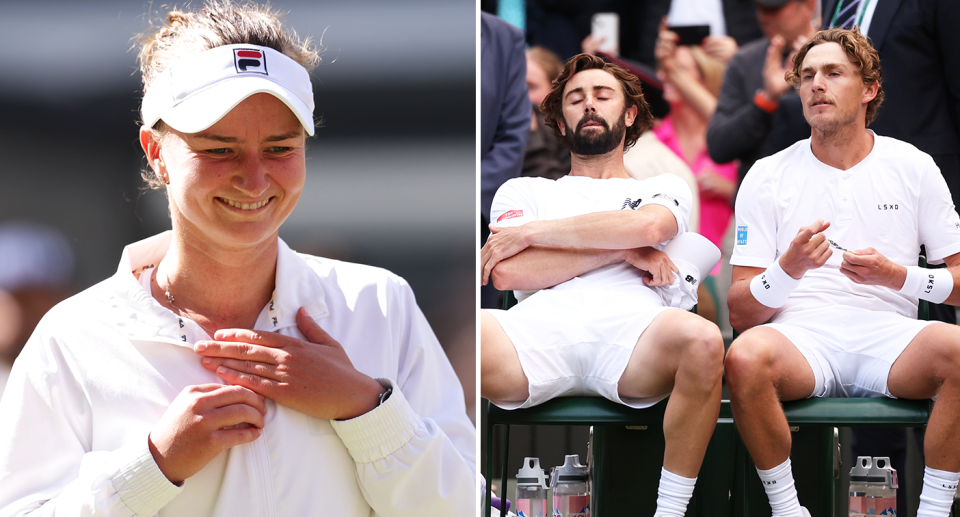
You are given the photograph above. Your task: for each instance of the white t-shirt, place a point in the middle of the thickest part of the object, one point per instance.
(894, 200)
(521, 200)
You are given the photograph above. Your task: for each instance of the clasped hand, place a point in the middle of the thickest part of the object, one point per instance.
(314, 377)
(504, 242)
(658, 267)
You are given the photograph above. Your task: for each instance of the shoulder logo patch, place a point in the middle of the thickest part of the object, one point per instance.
(742, 235)
(510, 215)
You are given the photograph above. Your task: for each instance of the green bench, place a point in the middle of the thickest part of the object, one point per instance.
(728, 483)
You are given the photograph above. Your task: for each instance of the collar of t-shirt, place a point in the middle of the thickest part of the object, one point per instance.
(296, 285)
(843, 173)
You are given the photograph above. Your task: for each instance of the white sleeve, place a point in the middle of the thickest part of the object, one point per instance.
(938, 220)
(415, 454)
(674, 193)
(515, 203)
(47, 467)
(756, 231)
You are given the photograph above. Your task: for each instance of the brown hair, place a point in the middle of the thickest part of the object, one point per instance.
(217, 23)
(552, 104)
(860, 52)
(547, 60)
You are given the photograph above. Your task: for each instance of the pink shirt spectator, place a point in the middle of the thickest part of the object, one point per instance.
(714, 212)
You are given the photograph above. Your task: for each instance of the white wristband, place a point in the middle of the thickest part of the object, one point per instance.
(773, 286)
(933, 285)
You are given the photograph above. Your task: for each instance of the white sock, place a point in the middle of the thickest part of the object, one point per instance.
(939, 488)
(778, 484)
(674, 494)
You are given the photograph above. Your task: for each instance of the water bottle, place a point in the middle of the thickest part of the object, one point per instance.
(571, 497)
(531, 489)
(882, 491)
(859, 486)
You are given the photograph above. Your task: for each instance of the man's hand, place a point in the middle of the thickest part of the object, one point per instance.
(809, 249)
(869, 267)
(201, 423)
(313, 377)
(504, 242)
(655, 263)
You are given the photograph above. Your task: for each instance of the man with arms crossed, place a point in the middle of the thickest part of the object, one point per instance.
(825, 274)
(588, 242)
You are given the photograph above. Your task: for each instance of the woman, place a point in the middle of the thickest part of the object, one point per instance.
(219, 372)
(691, 85)
(545, 156)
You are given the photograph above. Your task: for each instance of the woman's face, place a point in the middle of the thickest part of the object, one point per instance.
(538, 84)
(231, 186)
(684, 63)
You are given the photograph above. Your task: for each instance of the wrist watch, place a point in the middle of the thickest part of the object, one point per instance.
(386, 394)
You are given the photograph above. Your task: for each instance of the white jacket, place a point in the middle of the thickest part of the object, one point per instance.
(104, 365)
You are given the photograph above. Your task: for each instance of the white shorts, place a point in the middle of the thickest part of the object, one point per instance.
(577, 342)
(850, 350)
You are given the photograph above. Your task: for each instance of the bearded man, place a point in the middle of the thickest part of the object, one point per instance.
(583, 255)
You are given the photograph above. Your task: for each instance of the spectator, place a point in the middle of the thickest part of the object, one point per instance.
(504, 107)
(504, 118)
(545, 156)
(691, 84)
(758, 113)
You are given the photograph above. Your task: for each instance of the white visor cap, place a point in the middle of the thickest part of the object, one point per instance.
(195, 92)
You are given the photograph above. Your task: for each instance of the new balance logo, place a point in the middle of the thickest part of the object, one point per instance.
(632, 205)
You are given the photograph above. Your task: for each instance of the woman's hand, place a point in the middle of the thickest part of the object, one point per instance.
(591, 45)
(713, 185)
(314, 377)
(201, 423)
(721, 48)
(665, 50)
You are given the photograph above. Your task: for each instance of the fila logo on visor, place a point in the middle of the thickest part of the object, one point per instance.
(250, 61)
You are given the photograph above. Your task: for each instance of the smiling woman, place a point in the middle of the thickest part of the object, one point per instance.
(218, 372)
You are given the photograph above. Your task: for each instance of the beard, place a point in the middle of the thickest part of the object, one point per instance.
(832, 124)
(595, 142)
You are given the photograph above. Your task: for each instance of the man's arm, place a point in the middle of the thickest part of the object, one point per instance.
(809, 249)
(869, 267)
(609, 231)
(540, 267)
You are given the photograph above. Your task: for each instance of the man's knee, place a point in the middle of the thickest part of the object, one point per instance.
(702, 347)
(501, 376)
(749, 359)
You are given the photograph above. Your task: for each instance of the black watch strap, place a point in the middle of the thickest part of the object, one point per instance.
(386, 394)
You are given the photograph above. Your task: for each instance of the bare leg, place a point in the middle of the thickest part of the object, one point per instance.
(501, 377)
(763, 368)
(929, 365)
(682, 354)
